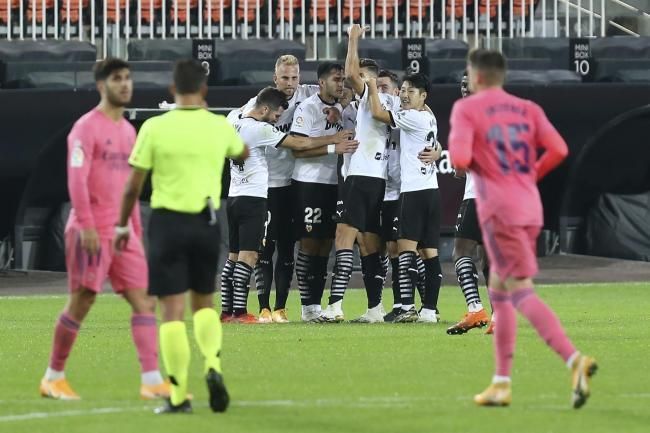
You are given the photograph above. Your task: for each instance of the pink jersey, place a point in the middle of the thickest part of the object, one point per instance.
(98, 168)
(497, 137)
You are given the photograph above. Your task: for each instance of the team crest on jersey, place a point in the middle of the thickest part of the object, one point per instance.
(76, 155)
(309, 228)
(300, 121)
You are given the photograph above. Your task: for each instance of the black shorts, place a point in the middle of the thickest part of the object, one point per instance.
(389, 220)
(419, 217)
(280, 209)
(183, 253)
(467, 226)
(247, 218)
(315, 210)
(363, 197)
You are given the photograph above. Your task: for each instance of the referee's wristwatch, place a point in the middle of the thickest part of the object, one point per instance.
(122, 230)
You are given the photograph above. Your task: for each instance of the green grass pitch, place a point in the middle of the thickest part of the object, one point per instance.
(344, 378)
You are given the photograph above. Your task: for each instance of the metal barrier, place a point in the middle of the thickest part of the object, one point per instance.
(318, 24)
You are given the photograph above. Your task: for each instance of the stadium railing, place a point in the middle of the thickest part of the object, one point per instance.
(318, 24)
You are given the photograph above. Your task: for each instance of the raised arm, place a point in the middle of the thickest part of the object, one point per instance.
(352, 70)
(378, 112)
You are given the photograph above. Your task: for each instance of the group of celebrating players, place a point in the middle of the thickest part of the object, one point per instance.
(350, 160)
(347, 161)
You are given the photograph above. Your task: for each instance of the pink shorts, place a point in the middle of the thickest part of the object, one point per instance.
(511, 250)
(128, 270)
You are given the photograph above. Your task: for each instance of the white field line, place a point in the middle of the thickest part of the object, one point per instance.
(362, 402)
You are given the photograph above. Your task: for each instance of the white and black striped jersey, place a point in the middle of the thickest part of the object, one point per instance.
(370, 158)
(418, 129)
(251, 177)
(309, 120)
(280, 161)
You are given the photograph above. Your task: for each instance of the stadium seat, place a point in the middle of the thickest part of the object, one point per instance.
(632, 76)
(386, 52)
(159, 49)
(4, 9)
(390, 9)
(262, 49)
(555, 76)
(445, 70)
(555, 49)
(621, 47)
(414, 11)
(75, 11)
(321, 7)
(182, 11)
(533, 64)
(149, 10)
(352, 8)
(35, 10)
(16, 74)
(251, 12)
(152, 79)
(518, 5)
(217, 8)
(290, 8)
(265, 77)
(606, 69)
(47, 51)
(446, 49)
(457, 7)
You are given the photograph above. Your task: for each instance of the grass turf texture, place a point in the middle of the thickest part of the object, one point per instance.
(340, 378)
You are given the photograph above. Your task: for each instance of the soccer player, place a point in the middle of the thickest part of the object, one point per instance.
(98, 148)
(247, 198)
(497, 137)
(315, 188)
(467, 242)
(185, 150)
(419, 210)
(363, 191)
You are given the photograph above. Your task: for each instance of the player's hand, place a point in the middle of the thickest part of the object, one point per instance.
(347, 146)
(333, 114)
(344, 135)
(120, 241)
(372, 83)
(90, 241)
(429, 155)
(355, 30)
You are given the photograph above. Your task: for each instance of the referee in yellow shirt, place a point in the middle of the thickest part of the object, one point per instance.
(185, 150)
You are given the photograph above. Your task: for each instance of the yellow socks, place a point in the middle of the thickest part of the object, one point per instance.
(207, 331)
(175, 349)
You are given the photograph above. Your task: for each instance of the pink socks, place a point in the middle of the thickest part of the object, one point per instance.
(65, 333)
(544, 320)
(145, 337)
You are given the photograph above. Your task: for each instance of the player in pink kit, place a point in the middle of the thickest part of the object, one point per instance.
(497, 137)
(99, 146)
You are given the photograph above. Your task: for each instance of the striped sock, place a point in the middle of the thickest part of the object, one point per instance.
(317, 278)
(226, 287)
(467, 279)
(394, 264)
(341, 275)
(407, 275)
(302, 263)
(421, 277)
(241, 283)
(263, 282)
